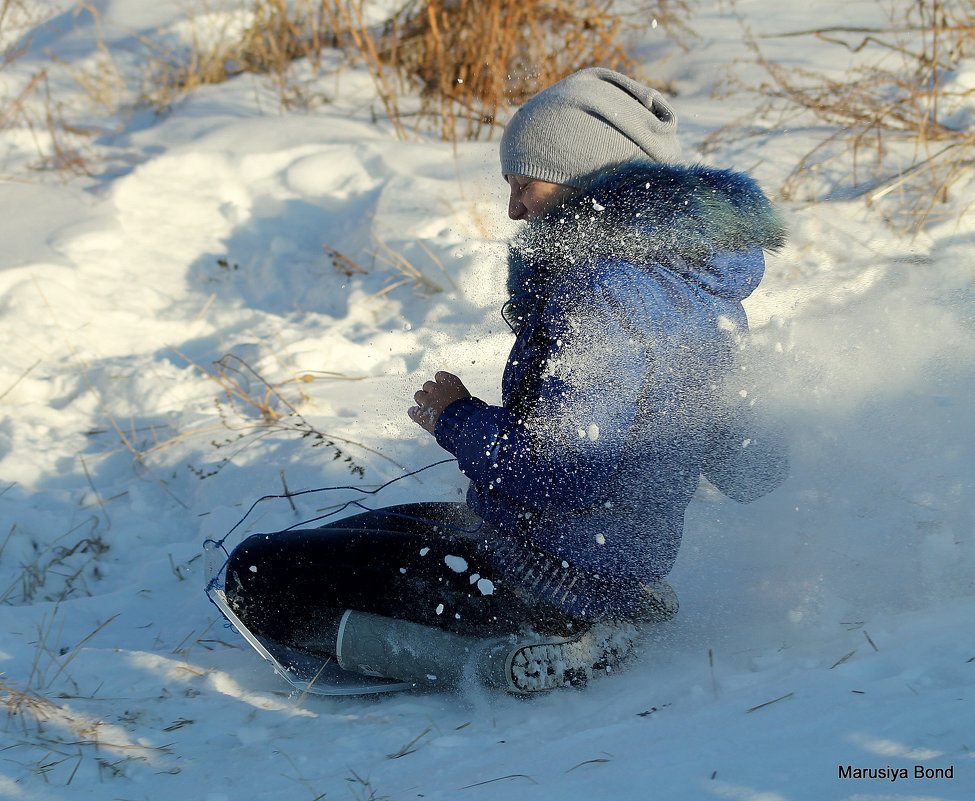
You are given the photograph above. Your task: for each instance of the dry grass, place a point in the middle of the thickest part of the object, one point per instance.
(31, 105)
(18, 700)
(54, 739)
(253, 408)
(264, 36)
(277, 34)
(900, 128)
(12, 18)
(674, 16)
(58, 571)
(470, 59)
(402, 272)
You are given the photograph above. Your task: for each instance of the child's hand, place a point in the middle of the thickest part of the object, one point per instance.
(436, 396)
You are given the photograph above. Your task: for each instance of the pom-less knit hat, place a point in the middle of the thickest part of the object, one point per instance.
(592, 119)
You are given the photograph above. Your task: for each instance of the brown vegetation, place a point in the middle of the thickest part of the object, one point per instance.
(901, 132)
(467, 59)
(471, 58)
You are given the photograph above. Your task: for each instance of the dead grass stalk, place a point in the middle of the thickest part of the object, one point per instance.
(256, 408)
(899, 120)
(68, 563)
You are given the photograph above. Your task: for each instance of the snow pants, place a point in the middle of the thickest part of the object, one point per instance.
(413, 562)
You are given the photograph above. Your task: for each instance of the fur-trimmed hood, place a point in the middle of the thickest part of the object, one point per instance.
(698, 221)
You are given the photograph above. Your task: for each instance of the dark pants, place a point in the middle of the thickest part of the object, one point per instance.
(412, 562)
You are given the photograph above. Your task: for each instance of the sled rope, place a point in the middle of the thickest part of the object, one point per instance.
(214, 582)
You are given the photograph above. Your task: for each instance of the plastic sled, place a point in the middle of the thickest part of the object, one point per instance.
(305, 672)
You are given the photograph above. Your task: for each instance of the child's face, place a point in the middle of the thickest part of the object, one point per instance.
(531, 198)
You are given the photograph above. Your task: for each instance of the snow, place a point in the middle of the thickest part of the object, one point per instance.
(456, 563)
(826, 625)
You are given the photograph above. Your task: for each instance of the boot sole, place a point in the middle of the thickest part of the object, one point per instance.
(572, 662)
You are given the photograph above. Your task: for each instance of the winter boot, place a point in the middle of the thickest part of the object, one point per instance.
(551, 663)
(658, 603)
(398, 649)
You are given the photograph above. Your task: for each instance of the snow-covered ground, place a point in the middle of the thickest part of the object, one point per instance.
(846, 598)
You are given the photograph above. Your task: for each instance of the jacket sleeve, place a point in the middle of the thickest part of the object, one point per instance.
(746, 458)
(560, 456)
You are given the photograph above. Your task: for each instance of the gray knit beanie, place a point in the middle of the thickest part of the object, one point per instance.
(586, 122)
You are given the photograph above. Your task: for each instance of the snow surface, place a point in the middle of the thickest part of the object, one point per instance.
(846, 597)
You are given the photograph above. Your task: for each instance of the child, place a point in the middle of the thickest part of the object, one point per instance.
(626, 287)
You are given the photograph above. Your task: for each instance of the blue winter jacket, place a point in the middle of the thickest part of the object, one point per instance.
(627, 308)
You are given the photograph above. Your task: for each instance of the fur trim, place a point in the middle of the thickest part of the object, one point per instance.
(690, 211)
(649, 212)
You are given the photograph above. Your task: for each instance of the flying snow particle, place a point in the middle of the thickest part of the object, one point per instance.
(253, 568)
(600, 539)
(424, 551)
(439, 609)
(456, 563)
(486, 586)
